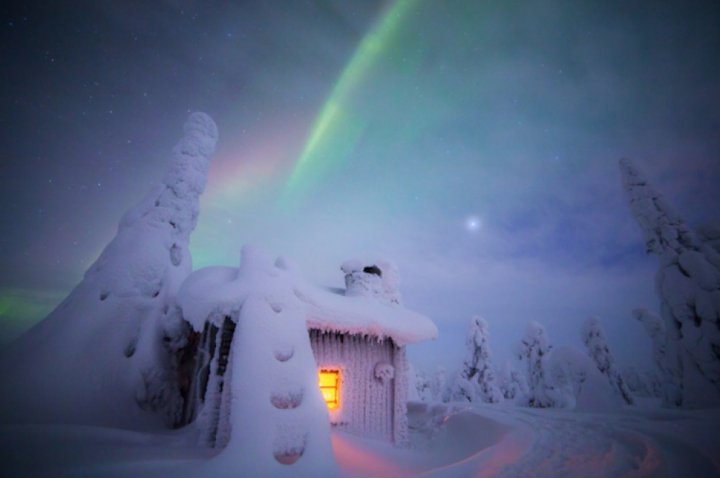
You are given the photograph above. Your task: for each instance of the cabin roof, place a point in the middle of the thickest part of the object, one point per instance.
(214, 292)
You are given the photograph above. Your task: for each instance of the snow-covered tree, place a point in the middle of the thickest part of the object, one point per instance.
(463, 390)
(438, 386)
(512, 383)
(709, 233)
(593, 336)
(532, 351)
(576, 383)
(665, 355)
(101, 352)
(477, 366)
(654, 381)
(643, 383)
(688, 283)
(422, 386)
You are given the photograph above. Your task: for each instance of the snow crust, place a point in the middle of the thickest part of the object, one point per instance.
(99, 358)
(447, 441)
(212, 293)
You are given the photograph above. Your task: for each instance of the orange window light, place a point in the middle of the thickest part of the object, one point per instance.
(329, 381)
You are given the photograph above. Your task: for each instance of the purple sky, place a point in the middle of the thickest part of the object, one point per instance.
(514, 114)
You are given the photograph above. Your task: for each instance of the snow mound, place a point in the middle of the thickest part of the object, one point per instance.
(577, 384)
(99, 358)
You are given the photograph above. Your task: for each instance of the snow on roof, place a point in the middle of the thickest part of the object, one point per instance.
(214, 292)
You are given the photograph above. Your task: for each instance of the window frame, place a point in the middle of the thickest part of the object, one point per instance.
(331, 405)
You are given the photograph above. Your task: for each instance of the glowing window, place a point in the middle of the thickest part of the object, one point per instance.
(329, 381)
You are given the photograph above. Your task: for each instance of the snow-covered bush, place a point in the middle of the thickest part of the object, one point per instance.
(593, 336)
(575, 382)
(688, 283)
(438, 386)
(665, 355)
(477, 368)
(422, 386)
(463, 390)
(532, 351)
(709, 233)
(643, 383)
(513, 384)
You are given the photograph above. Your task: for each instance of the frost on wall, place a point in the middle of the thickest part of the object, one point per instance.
(593, 336)
(688, 284)
(366, 399)
(401, 435)
(477, 367)
(665, 355)
(532, 351)
(100, 353)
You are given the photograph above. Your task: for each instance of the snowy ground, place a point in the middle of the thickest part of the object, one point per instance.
(446, 441)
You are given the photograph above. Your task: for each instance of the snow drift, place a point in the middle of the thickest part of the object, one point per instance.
(98, 358)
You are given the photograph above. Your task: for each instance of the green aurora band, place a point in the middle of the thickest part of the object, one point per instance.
(337, 128)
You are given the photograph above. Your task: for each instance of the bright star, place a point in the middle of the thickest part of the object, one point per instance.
(473, 223)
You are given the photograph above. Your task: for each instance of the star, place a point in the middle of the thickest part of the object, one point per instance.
(473, 223)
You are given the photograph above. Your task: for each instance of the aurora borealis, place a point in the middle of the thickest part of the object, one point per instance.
(474, 143)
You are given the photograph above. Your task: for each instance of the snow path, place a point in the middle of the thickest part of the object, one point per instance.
(496, 441)
(448, 441)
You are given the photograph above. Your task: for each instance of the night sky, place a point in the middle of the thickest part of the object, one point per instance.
(473, 143)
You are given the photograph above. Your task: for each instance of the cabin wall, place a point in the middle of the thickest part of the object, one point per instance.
(367, 404)
(209, 393)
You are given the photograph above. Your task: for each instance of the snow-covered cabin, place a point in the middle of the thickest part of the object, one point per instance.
(358, 337)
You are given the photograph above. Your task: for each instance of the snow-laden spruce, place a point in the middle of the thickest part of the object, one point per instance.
(573, 381)
(532, 351)
(422, 387)
(665, 355)
(438, 385)
(99, 358)
(709, 233)
(593, 336)
(643, 383)
(688, 283)
(512, 383)
(477, 377)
